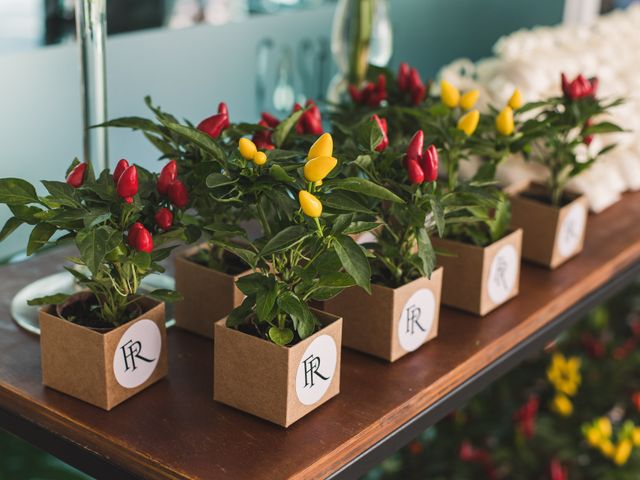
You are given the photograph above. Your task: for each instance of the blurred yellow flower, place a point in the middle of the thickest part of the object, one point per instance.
(564, 374)
(562, 405)
(622, 452)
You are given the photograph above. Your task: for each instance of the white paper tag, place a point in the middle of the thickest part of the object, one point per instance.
(137, 354)
(502, 274)
(571, 230)
(416, 319)
(316, 369)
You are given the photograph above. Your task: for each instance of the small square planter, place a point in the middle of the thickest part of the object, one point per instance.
(279, 384)
(208, 295)
(551, 235)
(104, 367)
(390, 322)
(480, 279)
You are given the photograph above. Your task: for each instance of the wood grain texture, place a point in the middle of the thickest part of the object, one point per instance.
(174, 429)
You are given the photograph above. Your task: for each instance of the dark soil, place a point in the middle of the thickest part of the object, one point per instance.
(84, 311)
(546, 199)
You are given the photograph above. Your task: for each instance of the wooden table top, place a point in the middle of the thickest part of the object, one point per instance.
(175, 430)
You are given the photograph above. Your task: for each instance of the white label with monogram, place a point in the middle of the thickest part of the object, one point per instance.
(316, 369)
(137, 354)
(502, 274)
(416, 319)
(572, 229)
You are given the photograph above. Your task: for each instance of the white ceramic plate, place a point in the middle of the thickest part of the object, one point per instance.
(27, 316)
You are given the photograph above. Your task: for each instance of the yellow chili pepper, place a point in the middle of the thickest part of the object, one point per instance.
(593, 436)
(311, 206)
(318, 168)
(607, 448)
(562, 405)
(469, 122)
(260, 158)
(623, 451)
(604, 425)
(247, 148)
(322, 147)
(515, 101)
(469, 99)
(504, 121)
(449, 94)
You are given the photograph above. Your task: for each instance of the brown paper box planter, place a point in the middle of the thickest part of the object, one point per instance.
(279, 384)
(390, 322)
(208, 295)
(551, 235)
(104, 368)
(479, 279)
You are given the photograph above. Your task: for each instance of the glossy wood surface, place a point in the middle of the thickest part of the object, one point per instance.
(175, 430)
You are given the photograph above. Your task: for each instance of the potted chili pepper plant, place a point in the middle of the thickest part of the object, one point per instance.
(482, 258)
(104, 343)
(553, 217)
(403, 312)
(205, 157)
(274, 355)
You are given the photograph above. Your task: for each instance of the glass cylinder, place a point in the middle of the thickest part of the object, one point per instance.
(91, 27)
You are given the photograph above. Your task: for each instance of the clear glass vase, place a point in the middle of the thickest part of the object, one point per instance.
(361, 36)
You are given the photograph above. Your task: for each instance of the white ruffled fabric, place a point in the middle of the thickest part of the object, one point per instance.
(532, 61)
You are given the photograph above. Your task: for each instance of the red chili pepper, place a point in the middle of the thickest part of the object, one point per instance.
(269, 120)
(370, 94)
(224, 110)
(403, 77)
(466, 453)
(310, 122)
(414, 150)
(579, 87)
(140, 238)
(429, 163)
(164, 218)
(127, 185)
(526, 416)
(557, 471)
(119, 170)
(588, 138)
(134, 230)
(167, 176)
(635, 399)
(415, 173)
(76, 176)
(382, 125)
(178, 194)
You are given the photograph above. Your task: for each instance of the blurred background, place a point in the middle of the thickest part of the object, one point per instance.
(190, 54)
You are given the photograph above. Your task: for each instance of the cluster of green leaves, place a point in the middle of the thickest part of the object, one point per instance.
(225, 190)
(403, 251)
(96, 219)
(556, 128)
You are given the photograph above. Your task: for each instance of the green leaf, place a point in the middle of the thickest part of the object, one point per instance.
(216, 180)
(265, 301)
(252, 284)
(501, 220)
(341, 223)
(303, 320)
(365, 187)
(425, 252)
(15, 191)
(201, 139)
(360, 227)
(95, 243)
(280, 336)
(135, 123)
(284, 239)
(281, 132)
(55, 299)
(280, 174)
(438, 215)
(62, 193)
(339, 280)
(354, 260)
(39, 237)
(602, 127)
(239, 315)
(28, 214)
(142, 260)
(94, 218)
(9, 227)
(344, 202)
(164, 295)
